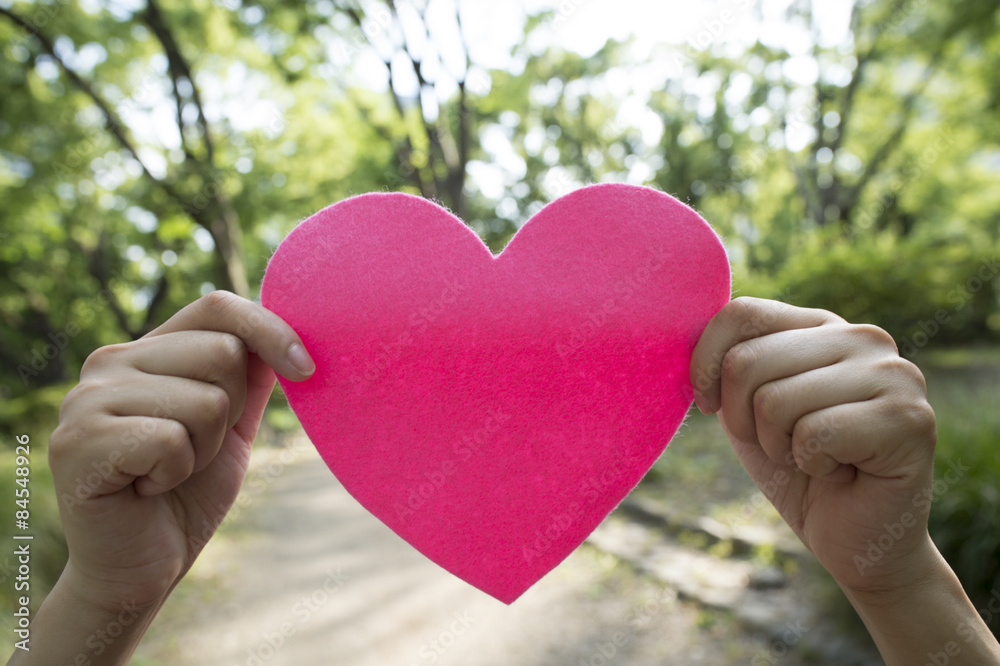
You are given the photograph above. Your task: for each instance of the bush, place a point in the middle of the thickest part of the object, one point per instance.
(918, 289)
(965, 517)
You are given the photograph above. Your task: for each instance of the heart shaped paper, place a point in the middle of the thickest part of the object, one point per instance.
(492, 410)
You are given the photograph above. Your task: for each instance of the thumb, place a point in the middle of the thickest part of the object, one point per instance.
(260, 383)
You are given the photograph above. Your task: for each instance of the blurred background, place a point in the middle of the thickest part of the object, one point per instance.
(848, 152)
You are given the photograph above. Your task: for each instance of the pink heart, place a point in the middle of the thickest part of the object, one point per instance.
(492, 410)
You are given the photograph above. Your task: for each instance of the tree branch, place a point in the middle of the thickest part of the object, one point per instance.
(112, 121)
(430, 132)
(179, 68)
(404, 146)
(227, 243)
(99, 269)
(853, 193)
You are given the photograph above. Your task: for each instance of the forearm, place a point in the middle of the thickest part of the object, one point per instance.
(69, 629)
(932, 621)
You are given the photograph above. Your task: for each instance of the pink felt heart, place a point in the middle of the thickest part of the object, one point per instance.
(492, 410)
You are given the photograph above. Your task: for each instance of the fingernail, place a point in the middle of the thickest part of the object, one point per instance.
(699, 398)
(300, 360)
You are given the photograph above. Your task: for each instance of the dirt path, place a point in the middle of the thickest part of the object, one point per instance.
(304, 575)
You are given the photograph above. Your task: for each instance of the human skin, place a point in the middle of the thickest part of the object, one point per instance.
(801, 393)
(837, 427)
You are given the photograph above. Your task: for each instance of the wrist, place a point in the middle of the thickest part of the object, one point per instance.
(75, 626)
(923, 614)
(100, 594)
(904, 580)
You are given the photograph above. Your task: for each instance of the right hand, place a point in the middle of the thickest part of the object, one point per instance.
(154, 443)
(833, 427)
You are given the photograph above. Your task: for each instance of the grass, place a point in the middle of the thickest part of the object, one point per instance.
(699, 476)
(964, 388)
(36, 419)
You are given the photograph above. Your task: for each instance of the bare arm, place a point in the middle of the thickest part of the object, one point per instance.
(150, 453)
(833, 413)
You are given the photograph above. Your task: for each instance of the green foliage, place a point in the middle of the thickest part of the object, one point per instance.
(924, 291)
(965, 516)
(869, 189)
(36, 419)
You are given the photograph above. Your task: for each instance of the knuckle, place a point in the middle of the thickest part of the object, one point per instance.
(903, 373)
(68, 438)
(738, 311)
(174, 439)
(874, 336)
(830, 318)
(216, 403)
(103, 357)
(739, 359)
(83, 400)
(921, 418)
(230, 350)
(218, 301)
(227, 355)
(73, 397)
(62, 442)
(811, 435)
(767, 402)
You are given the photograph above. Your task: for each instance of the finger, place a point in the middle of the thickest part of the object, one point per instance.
(886, 437)
(761, 407)
(263, 332)
(164, 462)
(260, 383)
(202, 408)
(750, 365)
(104, 454)
(205, 356)
(739, 320)
(779, 405)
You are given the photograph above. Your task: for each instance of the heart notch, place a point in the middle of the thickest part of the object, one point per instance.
(493, 410)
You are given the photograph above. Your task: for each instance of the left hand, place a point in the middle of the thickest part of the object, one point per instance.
(833, 427)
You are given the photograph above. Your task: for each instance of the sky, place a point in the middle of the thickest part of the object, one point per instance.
(670, 31)
(493, 28)
(665, 35)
